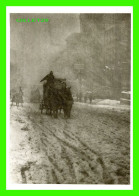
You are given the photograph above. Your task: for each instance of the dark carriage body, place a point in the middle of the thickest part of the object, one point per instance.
(56, 97)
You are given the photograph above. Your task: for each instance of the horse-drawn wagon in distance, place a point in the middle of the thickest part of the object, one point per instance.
(56, 96)
(16, 96)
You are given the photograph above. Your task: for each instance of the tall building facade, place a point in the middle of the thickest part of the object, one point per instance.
(98, 57)
(117, 54)
(106, 43)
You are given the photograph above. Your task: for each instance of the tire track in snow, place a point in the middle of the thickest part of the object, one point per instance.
(83, 154)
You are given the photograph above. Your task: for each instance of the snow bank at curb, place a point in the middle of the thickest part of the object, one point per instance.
(102, 106)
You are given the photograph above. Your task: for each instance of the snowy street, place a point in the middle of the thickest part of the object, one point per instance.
(92, 147)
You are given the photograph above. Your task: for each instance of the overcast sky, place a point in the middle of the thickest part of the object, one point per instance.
(33, 45)
(40, 37)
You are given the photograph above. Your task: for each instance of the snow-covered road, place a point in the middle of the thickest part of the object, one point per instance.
(93, 147)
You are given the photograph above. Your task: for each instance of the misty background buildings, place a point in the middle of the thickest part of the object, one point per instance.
(92, 51)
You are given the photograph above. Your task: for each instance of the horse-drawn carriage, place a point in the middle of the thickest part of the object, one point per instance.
(16, 96)
(56, 96)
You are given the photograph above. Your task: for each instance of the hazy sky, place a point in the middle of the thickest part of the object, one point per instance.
(34, 44)
(40, 36)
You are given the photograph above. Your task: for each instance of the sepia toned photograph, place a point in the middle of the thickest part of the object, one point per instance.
(70, 98)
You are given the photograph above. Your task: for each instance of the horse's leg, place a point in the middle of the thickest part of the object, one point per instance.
(50, 112)
(56, 113)
(65, 112)
(47, 111)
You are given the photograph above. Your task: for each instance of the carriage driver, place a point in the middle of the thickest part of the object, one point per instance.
(50, 78)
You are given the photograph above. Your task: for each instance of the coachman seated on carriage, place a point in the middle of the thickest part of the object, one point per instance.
(50, 78)
(56, 96)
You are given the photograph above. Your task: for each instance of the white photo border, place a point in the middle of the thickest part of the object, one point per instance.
(63, 9)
